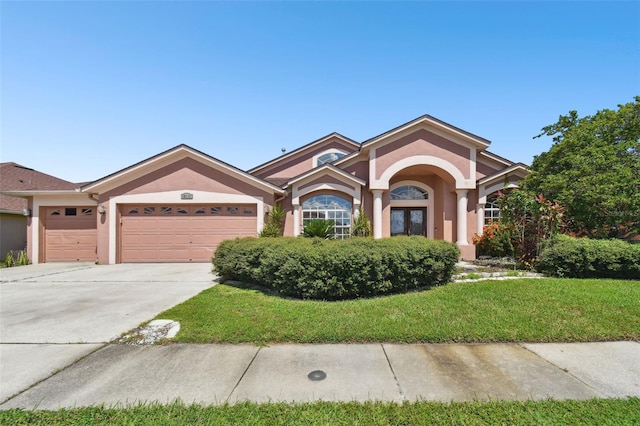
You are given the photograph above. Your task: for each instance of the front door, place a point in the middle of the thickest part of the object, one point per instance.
(408, 221)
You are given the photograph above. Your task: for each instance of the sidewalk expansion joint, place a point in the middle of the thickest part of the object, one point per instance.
(33, 385)
(243, 374)
(395, 378)
(567, 372)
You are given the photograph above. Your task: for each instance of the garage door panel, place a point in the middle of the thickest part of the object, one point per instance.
(70, 234)
(182, 233)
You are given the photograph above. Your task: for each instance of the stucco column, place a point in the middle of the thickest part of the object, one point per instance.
(296, 220)
(462, 217)
(377, 213)
(479, 218)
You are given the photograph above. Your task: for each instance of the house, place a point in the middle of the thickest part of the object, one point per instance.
(14, 210)
(425, 177)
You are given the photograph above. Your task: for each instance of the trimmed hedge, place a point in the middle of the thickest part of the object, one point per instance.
(335, 270)
(585, 258)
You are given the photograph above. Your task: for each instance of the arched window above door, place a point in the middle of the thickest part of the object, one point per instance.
(409, 192)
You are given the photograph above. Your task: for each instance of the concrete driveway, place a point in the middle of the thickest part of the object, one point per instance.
(53, 314)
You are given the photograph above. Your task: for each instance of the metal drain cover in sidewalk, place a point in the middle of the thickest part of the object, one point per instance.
(317, 375)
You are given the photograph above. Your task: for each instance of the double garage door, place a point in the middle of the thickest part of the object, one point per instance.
(181, 233)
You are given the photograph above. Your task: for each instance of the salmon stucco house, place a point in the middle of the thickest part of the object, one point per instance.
(425, 177)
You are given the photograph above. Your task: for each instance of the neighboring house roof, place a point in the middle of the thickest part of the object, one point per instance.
(158, 161)
(17, 178)
(290, 154)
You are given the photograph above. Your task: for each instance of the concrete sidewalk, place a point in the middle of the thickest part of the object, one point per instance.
(120, 375)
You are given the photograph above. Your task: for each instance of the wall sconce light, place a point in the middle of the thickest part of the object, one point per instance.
(26, 212)
(101, 209)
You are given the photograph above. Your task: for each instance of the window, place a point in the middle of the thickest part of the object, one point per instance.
(409, 192)
(491, 210)
(70, 211)
(87, 212)
(181, 210)
(56, 212)
(149, 210)
(166, 210)
(328, 156)
(329, 207)
(201, 211)
(216, 211)
(133, 210)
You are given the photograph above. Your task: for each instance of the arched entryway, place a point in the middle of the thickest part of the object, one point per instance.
(411, 209)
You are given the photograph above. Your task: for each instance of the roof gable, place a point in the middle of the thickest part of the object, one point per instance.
(170, 156)
(327, 169)
(517, 169)
(432, 124)
(349, 144)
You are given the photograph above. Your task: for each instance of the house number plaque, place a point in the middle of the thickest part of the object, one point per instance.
(186, 196)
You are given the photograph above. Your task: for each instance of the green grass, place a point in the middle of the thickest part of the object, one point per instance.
(530, 310)
(592, 412)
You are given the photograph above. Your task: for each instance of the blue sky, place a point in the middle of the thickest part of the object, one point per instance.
(88, 88)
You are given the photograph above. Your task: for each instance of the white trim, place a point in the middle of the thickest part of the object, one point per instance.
(173, 197)
(496, 158)
(483, 190)
(355, 193)
(428, 203)
(69, 200)
(326, 169)
(328, 151)
(372, 167)
(383, 182)
(499, 174)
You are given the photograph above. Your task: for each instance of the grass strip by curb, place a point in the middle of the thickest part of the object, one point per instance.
(550, 412)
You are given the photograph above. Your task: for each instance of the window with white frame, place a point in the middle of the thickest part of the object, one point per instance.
(329, 207)
(491, 210)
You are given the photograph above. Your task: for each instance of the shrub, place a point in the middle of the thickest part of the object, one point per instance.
(496, 240)
(361, 225)
(313, 268)
(12, 260)
(584, 258)
(274, 225)
(318, 228)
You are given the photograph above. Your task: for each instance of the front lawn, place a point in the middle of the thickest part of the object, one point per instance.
(592, 412)
(521, 310)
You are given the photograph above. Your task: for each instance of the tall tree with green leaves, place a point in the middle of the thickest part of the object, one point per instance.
(593, 170)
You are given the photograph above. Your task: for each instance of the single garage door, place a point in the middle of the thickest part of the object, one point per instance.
(181, 233)
(70, 234)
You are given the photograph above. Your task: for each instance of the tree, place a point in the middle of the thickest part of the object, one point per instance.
(593, 170)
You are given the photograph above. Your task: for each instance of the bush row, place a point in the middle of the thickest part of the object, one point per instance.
(584, 258)
(334, 270)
